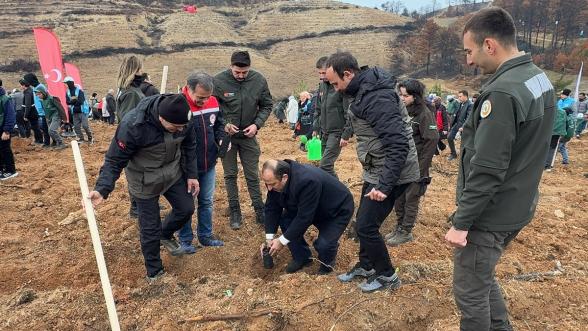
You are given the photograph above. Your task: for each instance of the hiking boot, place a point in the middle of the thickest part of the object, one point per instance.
(45, 146)
(451, 157)
(8, 175)
(400, 237)
(236, 219)
(211, 241)
(356, 271)
(260, 215)
(391, 234)
(294, 265)
(158, 275)
(381, 282)
(172, 246)
(59, 147)
(188, 247)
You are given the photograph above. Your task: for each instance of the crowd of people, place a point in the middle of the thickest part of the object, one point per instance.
(168, 145)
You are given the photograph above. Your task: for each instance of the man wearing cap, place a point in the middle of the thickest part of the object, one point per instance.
(76, 100)
(156, 143)
(245, 102)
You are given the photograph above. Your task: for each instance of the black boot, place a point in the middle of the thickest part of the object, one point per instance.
(236, 219)
(260, 215)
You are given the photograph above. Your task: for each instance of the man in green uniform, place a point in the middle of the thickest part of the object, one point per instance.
(330, 120)
(505, 140)
(245, 102)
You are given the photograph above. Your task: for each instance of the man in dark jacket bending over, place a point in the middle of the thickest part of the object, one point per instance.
(299, 196)
(158, 143)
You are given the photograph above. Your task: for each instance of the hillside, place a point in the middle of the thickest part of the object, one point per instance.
(285, 38)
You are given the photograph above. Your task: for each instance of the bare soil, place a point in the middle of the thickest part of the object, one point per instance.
(49, 279)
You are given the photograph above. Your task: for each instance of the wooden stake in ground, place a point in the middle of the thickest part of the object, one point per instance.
(164, 80)
(106, 289)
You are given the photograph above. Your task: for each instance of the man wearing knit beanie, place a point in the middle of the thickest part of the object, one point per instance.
(245, 102)
(156, 143)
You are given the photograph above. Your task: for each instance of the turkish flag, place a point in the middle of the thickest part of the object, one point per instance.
(73, 71)
(49, 50)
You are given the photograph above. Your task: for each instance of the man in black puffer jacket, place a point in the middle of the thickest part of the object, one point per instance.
(388, 155)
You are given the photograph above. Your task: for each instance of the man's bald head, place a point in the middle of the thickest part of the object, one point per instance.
(274, 174)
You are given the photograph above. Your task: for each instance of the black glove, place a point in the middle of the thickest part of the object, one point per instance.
(224, 147)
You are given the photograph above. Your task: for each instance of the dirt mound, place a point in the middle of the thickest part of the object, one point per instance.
(49, 279)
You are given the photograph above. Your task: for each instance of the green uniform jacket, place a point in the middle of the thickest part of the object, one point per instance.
(330, 112)
(504, 143)
(243, 103)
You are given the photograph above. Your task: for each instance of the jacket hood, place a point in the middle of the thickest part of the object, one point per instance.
(42, 89)
(370, 79)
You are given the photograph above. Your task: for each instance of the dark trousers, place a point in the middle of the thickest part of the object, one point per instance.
(551, 152)
(37, 133)
(331, 150)
(373, 253)
(407, 206)
(24, 127)
(327, 242)
(153, 230)
(451, 140)
(45, 130)
(476, 292)
(6, 156)
(249, 152)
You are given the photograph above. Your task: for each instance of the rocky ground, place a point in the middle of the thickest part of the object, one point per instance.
(49, 279)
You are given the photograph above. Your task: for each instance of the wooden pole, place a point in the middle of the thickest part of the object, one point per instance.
(106, 289)
(164, 80)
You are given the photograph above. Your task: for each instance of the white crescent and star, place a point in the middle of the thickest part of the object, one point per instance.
(57, 73)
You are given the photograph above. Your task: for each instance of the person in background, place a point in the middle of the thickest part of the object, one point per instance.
(54, 113)
(581, 114)
(7, 121)
(305, 118)
(292, 112)
(111, 105)
(24, 128)
(30, 113)
(96, 114)
(33, 81)
(462, 113)
(78, 108)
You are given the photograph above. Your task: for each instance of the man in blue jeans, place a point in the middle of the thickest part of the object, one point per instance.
(210, 132)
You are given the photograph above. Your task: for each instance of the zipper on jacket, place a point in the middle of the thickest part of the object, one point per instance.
(205, 142)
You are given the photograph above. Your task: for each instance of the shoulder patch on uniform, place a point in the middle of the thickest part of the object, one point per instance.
(121, 144)
(486, 109)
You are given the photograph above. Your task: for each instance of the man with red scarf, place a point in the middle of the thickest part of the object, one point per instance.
(210, 134)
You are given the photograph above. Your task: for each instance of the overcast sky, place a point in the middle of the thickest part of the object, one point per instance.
(410, 4)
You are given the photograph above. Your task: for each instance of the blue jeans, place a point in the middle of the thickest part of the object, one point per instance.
(205, 198)
(563, 151)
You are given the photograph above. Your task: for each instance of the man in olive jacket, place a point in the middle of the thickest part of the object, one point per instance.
(503, 148)
(330, 120)
(157, 144)
(246, 103)
(388, 155)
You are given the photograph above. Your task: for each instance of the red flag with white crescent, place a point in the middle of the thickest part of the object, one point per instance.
(73, 71)
(49, 50)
